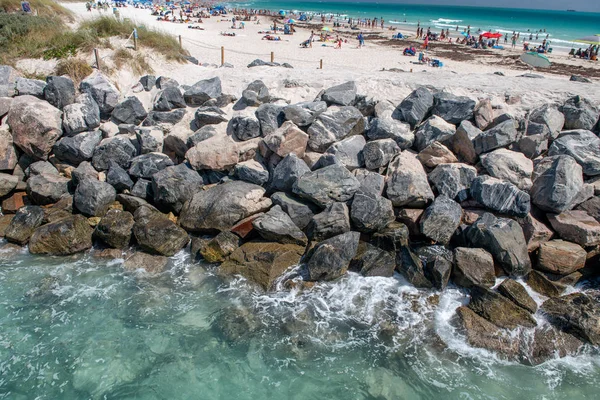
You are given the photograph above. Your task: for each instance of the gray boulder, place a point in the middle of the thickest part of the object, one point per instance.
(286, 140)
(202, 134)
(92, 197)
(203, 91)
(143, 189)
(407, 184)
(483, 114)
(78, 148)
(416, 107)
(550, 117)
(557, 182)
(243, 128)
(371, 213)
(174, 185)
(287, 172)
(59, 91)
(349, 152)
(437, 264)
(146, 165)
(148, 82)
(580, 113)
(372, 261)
(435, 129)
(500, 196)
(533, 146)
(270, 117)
(276, 226)
(330, 259)
(118, 178)
(8, 153)
(463, 142)
(164, 82)
(440, 219)
(509, 166)
(116, 149)
(40, 167)
(327, 185)
(453, 109)
(583, 146)
(25, 222)
(378, 153)
(157, 234)
(81, 116)
(252, 171)
(7, 183)
(473, 267)
(341, 95)
(150, 140)
(209, 116)
(47, 188)
(168, 99)
(500, 135)
(102, 91)
(256, 94)
(453, 180)
(411, 267)
(334, 125)
(370, 182)
(301, 212)
(332, 221)
(388, 128)
(30, 87)
(83, 171)
(115, 229)
(129, 111)
(304, 114)
(164, 117)
(576, 313)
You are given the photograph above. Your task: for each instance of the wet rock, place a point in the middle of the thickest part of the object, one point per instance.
(81, 116)
(440, 219)
(157, 234)
(583, 146)
(327, 185)
(453, 109)
(388, 128)
(550, 117)
(129, 111)
(370, 182)
(222, 206)
(24, 223)
(217, 154)
(437, 264)
(463, 142)
(330, 259)
(379, 153)
(78, 148)
(92, 198)
(436, 154)
(407, 184)
(341, 95)
(209, 116)
(146, 165)
(509, 166)
(579, 113)
(349, 152)
(416, 106)
(276, 226)
(270, 117)
(151, 264)
(218, 248)
(64, 237)
(118, 178)
(473, 267)
(373, 261)
(59, 91)
(499, 310)
(117, 149)
(202, 91)
(541, 283)
(392, 238)
(47, 188)
(334, 125)
(252, 171)
(115, 229)
(500, 196)
(504, 239)
(453, 180)
(500, 135)
(483, 113)
(256, 94)
(577, 227)
(168, 99)
(557, 182)
(516, 293)
(332, 221)
(371, 213)
(262, 262)
(411, 267)
(434, 129)
(300, 211)
(560, 257)
(287, 172)
(243, 128)
(577, 314)
(102, 91)
(35, 126)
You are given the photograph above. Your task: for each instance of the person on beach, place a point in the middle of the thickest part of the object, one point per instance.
(361, 40)
(311, 38)
(382, 23)
(514, 41)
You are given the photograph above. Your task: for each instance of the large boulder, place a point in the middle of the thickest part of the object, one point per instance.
(300, 211)
(150, 140)
(500, 135)
(8, 153)
(349, 152)
(330, 259)
(437, 264)
(118, 178)
(500, 196)
(579, 113)
(115, 229)
(40, 167)
(175, 185)
(256, 94)
(304, 114)
(84, 115)
(129, 111)
(35, 125)
(440, 219)
(85, 170)
(222, 206)
(473, 267)
(370, 181)
(146, 165)
(453, 109)
(59, 91)
(103, 92)
(549, 116)
(66, 236)
(287, 139)
(252, 171)
(510, 166)
(436, 154)
(416, 106)
(327, 185)
(148, 263)
(499, 310)
(334, 125)
(333, 221)
(262, 262)
(407, 184)
(577, 227)
(341, 95)
(270, 117)
(202, 91)
(168, 99)
(164, 118)
(218, 153)
(287, 173)
(388, 128)
(7, 183)
(45, 189)
(92, 197)
(557, 182)
(378, 153)
(453, 180)
(117, 149)
(371, 212)
(583, 146)
(25, 222)
(157, 234)
(504, 239)
(560, 257)
(30, 87)
(577, 314)
(435, 129)
(209, 115)
(516, 293)
(218, 248)
(372, 261)
(463, 142)
(411, 267)
(483, 114)
(244, 127)
(276, 226)
(78, 148)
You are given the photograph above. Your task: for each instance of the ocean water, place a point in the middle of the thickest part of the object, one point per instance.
(562, 27)
(82, 328)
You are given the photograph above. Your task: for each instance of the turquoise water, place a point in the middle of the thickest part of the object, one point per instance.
(82, 328)
(562, 26)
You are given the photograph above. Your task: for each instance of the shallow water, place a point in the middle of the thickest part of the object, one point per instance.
(78, 328)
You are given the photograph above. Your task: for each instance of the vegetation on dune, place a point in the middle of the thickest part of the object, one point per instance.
(43, 8)
(76, 68)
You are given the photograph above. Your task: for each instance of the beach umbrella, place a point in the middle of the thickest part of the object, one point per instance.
(535, 59)
(326, 29)
(291, 21)
(465, 34)
(282, 13)
(490, 35)
(592, 39)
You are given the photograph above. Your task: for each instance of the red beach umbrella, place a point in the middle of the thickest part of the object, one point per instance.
(491, 35)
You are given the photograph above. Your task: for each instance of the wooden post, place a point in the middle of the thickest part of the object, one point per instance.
(272, 56)
(321, 64)
(135, 43)
(180, 45)
(97, 59)
(222, 55)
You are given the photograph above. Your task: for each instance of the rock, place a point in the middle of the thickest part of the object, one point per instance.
(151, 264)
(243, 128)
(437, 264)
(370, 182)
(407, 184)
(40, 167)
(92, 198)
(276, 226)
(115, 229)
(287, 139)
(378, 153)
(453, 180)
(222, 206)
(301, 212)
(392, 238)
(7, 183)
(64, 237)
(202, 91)
(287, 173)
(577, 227)
(304, 114)
(47, 188)
(174, 185)
(349, 152)
(366, 105)
(504, 239)
(81, 116)
(516, 293)
(532, 146)
(416, 106)
(499, 310)
(256, 94)
(148, 82)
(202, 134)
(327, 185)
(24, 223)
(129, 111)
(334, 125)
(270, 117)
(500, 196)
(560, 257)
(463, 142)
(579, 113)
(217, 153)
(579, 78)
(371, 213)
(252, 171)
(11, 204)
(262, 263)
(218, 248)
(542, 284)
(4, 223)
(330, 259)
(131, 203)
(168, 99)
(164, 117)
(432, 130)
(341, 95)
(436, 154)
(535, 232)
(59, 91)
(388, 128)
(78, 148)
(583, 146)
(157, 234)
(473, 267)
(118, 178)
(577, 314)
(509, 166)
(150, 140)
(550, 117)
(164, 82)
(146, 165)
(557, 182)
(483, 114)
(83, 171)
(453, 109)
(143, 189)
(8, 154)
(440, 219)
(117, 149)
(411, 267)
(103, 92)
(500, 135)
(35, 125)
(373, 261)
(592, 207)
(333, 221)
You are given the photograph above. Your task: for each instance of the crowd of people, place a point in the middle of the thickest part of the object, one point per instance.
(591, 53)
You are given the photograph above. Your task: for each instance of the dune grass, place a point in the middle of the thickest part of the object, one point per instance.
(74, 67)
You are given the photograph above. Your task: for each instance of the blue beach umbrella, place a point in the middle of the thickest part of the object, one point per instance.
(535, 59)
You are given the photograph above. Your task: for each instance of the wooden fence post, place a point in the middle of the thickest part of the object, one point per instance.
(321, 64)
(97, 59)
(222, 55)
(272, 56)
(180, 45)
